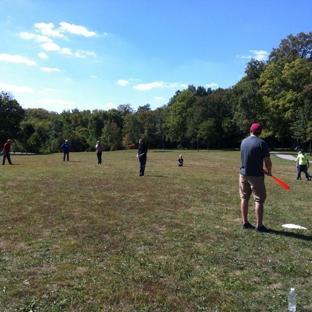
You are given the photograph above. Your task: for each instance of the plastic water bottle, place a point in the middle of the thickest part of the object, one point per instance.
(292, 300)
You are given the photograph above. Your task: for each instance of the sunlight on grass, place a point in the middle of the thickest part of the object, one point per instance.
(76, 236)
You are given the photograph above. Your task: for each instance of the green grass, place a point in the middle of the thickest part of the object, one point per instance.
(75, 236)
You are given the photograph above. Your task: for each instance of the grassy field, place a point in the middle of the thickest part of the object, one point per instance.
(75, 236)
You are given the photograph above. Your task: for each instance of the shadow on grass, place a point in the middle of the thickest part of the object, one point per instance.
(292, 234)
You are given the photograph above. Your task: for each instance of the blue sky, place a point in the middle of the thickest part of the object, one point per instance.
(97, 54)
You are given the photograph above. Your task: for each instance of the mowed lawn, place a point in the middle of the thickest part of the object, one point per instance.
(76, 236)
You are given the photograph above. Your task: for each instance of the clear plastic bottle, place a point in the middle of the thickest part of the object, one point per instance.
(292, 300)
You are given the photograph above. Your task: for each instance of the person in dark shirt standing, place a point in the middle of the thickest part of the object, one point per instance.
(254, 151)
(141, 155)
(65, 146)
(6, 152)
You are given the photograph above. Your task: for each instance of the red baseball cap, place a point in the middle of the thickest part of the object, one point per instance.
(257, 128)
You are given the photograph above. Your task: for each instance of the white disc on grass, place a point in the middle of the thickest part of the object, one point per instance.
(293, 226)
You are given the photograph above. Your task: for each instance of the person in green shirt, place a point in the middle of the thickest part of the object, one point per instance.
(302, 164)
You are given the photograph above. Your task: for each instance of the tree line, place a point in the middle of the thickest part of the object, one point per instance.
(276, 93)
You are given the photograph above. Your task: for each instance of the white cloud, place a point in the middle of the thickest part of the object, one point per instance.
(48, 89)
(79, 54)
(50, 46)
(122, 82)
(259, 55)
(94, 77)
(16, 59)
(159, 98)
(48, 69)
(29, 36)
(149, 86)
(158, 84)
(47, 29)
(211, 85)
(91, 53)
(42, 55)
(15, 89)
(66, 51)
(83, 54)
(77, 30)
(177, 85)
(43, 39)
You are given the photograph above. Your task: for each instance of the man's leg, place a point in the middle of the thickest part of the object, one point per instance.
(244, 210)
(298, 172)
(259, 213)
(305, 170)
(9, 159)
(3, 159)
(68, 156)
(141, 166)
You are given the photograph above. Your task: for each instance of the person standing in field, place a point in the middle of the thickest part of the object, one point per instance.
(65, 146)
(302, 164)
(297, 164)
(180, 161)
(141, 155)
(98, 150)
(6, 152)
(254, 152)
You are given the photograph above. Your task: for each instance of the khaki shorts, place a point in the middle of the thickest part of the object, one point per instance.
(252, 185)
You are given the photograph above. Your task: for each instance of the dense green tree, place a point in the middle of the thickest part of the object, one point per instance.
(245, 100)
(111, 136)
(161, 128)
(125, 109)
(147, 119)
(283, 89)
(96, 125)
(293, 47)
(11, 116)
(27, 130)
(146, 107)
(133, 129)
(207, 131)
(178, 112)
(201, 91)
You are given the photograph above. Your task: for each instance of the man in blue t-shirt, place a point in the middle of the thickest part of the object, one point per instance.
(65, 146)
(254, 151)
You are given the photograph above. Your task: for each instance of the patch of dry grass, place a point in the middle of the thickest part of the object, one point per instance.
(76, 236)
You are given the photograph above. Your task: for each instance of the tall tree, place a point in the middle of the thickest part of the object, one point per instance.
(11, 115)
(293, 47)
(125, 109)
(111, 136)
(146, 107)
(132, 130)
(283, 89)
(244, 98)
(161, 129)
(178, 113)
